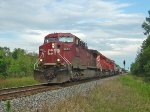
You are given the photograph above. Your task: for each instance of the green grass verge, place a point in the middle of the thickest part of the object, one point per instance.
(15, 82)
(137, 84)
(125, 94)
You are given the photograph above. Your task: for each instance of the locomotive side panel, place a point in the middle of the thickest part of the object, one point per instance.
(106, 65)
(81, 57)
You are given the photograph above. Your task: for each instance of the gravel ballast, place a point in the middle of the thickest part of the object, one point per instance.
(35, 103)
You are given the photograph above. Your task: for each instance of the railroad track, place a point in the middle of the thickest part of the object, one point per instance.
(11, 93)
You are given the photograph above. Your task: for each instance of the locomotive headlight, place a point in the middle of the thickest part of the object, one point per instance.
(53, 45)
(41, 60)
(58, 60)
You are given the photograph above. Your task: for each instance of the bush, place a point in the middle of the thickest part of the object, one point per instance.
(16, 63)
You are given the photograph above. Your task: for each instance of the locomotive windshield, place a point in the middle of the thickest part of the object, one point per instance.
(47, 40)
(66, 39)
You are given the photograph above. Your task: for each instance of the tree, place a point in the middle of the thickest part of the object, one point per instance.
(22, 63)
(16, 63)
(142, 62)
(18, 53)
(4, 53)
(146, 25)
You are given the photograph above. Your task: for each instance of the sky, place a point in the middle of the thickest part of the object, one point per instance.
(113, 27)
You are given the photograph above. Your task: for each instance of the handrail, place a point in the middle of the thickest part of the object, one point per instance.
(67, 61)
(36, 63)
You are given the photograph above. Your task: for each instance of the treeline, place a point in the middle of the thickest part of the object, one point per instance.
(16, 63)
(141, 66)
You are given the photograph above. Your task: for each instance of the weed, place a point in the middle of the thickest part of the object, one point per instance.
(125, 94)
(8, 106)
(15, 82)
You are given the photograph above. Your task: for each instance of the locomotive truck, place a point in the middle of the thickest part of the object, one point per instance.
(64, 57)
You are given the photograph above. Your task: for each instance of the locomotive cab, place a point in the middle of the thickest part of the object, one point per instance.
(63, 50)
(56, 50)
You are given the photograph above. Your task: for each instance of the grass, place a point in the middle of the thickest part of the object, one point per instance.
(137, 84)
(125, 94)
(15, 82)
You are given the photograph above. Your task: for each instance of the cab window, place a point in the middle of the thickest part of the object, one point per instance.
(66, 39)
(47, 40)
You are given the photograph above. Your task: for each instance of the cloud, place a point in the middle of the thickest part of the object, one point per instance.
(104, 25)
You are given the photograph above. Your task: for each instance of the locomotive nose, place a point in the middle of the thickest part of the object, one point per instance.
(51, 54)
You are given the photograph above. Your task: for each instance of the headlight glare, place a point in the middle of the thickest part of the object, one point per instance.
(58, 60)
(41, 60)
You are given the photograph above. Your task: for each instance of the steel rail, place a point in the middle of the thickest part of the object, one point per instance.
(11, 93)
(20, 87)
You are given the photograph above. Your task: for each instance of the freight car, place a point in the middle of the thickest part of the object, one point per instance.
(64, 57)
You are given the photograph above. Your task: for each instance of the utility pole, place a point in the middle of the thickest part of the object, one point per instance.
(124, 63)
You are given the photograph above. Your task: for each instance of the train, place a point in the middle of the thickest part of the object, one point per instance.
(64, 57)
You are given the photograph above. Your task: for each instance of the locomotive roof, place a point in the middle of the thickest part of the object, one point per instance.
(53, 35)
(98, 53)
(94, 51)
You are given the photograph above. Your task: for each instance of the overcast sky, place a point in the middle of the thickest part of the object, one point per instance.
(112, 27)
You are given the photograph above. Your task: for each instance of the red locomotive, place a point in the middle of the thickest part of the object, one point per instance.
(64, 57)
